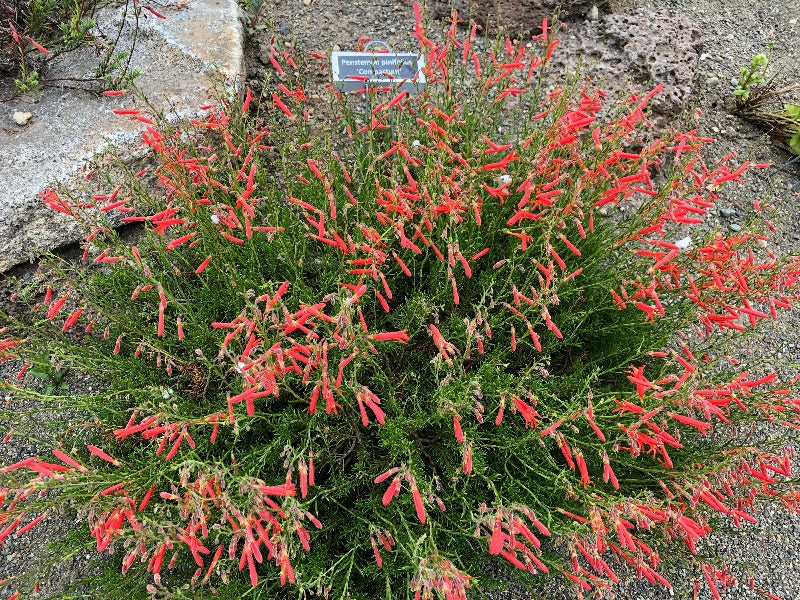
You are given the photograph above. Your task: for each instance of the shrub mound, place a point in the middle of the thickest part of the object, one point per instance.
(370, 360)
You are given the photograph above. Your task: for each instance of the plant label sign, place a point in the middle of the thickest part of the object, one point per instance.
(354, 71)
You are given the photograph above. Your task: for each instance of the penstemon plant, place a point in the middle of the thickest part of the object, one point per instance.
(367, 361)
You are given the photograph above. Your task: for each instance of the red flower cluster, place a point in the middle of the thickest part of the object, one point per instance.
(452, 271)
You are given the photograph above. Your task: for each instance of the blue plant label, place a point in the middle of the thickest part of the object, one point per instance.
(355, 71)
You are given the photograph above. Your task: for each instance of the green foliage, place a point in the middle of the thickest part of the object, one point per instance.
(40, 30)
(28, 82)
(37, 16)
(371, 358)
(251, 10)
(115, 71)
(750, 76)
(762, 101)
(52, 374)
(75, 31)
(792, 112)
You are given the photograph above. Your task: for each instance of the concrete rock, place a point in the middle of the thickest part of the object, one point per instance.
(515, 15)
(179, 57)
(624, 50)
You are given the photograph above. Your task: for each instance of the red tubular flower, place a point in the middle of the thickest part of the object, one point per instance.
(302, 469)
(71, 320)
(585, 480)
(527, 412)
(386, 475)
(101, 454)
(498, 537)
(703, 426)
(400, 336)
(392, 491)
(608, 472)
(378, 558)
(162, 305)
(279, 103)
(551, 428)
(63, 457)
(418, 506)
(154, 12)
(247, 98)
(636, 376)
(53, 311)
(286, 489)
(467, 458)
(32, 524)
(146, 498)
(457, 429)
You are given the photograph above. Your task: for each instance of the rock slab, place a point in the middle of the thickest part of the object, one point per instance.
(179, 57)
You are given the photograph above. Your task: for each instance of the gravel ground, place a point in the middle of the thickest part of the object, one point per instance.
(733, 31)
(31, 437)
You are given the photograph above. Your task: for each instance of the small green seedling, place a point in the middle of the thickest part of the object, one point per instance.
(52, 373)
(760, 100)
(751, 76)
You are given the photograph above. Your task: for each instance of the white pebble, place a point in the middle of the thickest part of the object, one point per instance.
(21, 118)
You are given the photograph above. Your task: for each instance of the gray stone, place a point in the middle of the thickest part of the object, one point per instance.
(179, 58)
(621, 51)
(514, 15)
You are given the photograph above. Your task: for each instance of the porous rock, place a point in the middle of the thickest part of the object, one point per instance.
(619, 51)
(622, 51)
(515, 15)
